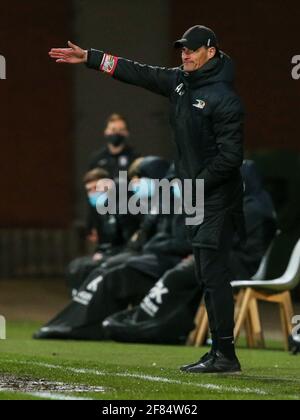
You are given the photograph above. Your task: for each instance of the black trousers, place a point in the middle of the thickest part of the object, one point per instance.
(214, 275)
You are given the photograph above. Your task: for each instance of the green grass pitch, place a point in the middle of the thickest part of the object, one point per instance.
(107, 371)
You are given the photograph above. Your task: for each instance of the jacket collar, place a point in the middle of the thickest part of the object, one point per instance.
(218, 69)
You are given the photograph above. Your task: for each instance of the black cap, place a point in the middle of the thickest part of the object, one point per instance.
(196, 37)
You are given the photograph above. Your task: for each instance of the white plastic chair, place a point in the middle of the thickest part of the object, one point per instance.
(262, 269)
(275, 291)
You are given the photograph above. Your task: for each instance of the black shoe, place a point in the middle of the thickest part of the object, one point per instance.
(294, 345)
(217, 364)
(203, 359)
(55, 333)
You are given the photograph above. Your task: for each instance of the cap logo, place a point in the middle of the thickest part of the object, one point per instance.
(208, 42)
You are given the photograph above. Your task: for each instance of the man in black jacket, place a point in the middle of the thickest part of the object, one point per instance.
(207, 118)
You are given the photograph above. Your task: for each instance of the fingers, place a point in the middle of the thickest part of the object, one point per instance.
(73, 46)
(59, 50)
(56, 55)
(66, 55)
(59, 58)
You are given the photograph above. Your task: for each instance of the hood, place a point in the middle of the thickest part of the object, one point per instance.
(254, 190)
(153, 167)
(251, 177)
(218, 69)
(171, 174)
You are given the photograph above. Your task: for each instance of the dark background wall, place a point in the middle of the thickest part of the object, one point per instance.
(52, 116)
(35, 116)
(262, 36)
(133, 29)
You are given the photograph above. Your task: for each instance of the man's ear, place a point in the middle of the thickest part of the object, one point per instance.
(212, 52)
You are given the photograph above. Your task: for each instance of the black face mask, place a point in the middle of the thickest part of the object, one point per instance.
(115, 139)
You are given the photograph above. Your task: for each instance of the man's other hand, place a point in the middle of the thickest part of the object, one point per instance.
(93, 237)
(72, 55)
(97, 257)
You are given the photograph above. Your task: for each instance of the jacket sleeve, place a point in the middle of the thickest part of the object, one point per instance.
(228, 127)
(173, 243)
(156, 79)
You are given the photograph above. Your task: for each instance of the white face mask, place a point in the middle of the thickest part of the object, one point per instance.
(97, 199)
(176, 190)
(145, 188)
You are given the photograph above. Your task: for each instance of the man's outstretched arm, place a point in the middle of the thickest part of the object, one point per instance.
(156, 79)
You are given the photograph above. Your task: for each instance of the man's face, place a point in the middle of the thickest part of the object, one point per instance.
(194, 60)
(116, 127)
(102, 185)
(91, 187)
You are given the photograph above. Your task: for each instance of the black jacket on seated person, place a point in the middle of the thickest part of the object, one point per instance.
(113, 164)
(114, 233)
(261, 225)
(165, 248)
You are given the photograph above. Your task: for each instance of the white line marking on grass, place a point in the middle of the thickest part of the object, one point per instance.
(271, 378)
(47, 395)
(210, 387)
(149, 378)
(57, 397)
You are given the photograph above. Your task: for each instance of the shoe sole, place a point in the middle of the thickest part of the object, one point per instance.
(238, 373)
(234, 373)
(183, 370)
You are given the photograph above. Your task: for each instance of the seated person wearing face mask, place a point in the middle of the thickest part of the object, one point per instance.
(117, 155)
(108, 288)
(261, 224)
(112, 231)
(142, 169)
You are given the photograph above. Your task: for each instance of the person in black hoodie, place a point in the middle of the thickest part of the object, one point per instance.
(261, 225)
(207, 118)
(117, 155)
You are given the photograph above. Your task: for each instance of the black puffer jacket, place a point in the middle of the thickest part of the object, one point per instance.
(207, 118)
(113, 164)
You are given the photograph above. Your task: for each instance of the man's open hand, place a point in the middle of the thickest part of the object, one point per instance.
(72, 55)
